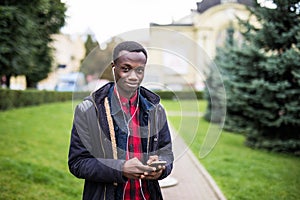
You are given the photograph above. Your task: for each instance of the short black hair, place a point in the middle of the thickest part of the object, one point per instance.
(130, 46)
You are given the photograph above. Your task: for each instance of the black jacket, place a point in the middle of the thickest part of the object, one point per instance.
(90, 153)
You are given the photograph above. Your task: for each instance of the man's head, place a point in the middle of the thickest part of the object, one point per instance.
(129, 46)
(129, 60)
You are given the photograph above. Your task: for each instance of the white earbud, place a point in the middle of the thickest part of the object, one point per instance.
(113, 72)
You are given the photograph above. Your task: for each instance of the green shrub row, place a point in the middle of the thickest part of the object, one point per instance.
(179, 95)
(19, 98)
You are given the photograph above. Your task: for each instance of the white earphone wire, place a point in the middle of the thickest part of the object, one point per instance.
(127, 124)
(118, 96)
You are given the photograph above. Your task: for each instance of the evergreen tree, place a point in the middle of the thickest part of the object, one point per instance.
(263, 86)
(214, 91)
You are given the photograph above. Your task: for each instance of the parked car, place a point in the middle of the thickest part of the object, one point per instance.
(74, 81)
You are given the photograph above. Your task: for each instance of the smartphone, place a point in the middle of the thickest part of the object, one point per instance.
(158, 163)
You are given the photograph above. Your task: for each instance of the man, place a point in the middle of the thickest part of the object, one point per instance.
(119, 131)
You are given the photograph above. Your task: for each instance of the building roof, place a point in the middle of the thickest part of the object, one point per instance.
(206, 4)
(172, 24)
(202, 7)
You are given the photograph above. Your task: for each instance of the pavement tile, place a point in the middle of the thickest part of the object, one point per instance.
(194, 182)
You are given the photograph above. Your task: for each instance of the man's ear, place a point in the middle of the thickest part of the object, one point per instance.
(112, 64)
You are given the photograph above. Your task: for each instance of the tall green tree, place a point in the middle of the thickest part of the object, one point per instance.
(97, 60)
(263, 86)
(26, 28)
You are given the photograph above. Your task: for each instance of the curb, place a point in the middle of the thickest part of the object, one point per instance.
(207, 176)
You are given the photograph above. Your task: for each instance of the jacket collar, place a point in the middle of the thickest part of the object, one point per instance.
(147, 98)
(101, 93)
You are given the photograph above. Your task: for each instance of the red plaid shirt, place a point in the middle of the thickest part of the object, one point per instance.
(132, 188)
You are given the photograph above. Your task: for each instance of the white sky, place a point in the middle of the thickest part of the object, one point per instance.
(107, 18)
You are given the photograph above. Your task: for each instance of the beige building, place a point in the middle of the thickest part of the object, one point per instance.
(69, 50)
(67, 55)
(181, 52)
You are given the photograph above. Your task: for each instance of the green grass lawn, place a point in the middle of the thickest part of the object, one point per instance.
(34, 148)
(33, 156)
(240, 172)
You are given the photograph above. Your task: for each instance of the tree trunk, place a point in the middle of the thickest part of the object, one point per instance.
(30, 84)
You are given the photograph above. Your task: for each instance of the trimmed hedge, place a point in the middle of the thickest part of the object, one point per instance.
(19, 98)
(180, 94)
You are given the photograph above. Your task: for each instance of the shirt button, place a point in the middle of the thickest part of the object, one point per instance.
(131, 147)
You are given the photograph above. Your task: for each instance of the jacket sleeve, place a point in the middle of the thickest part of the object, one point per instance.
(82, 163)
(164, 141)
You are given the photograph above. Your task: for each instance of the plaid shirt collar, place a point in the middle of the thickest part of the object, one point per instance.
(124, 101)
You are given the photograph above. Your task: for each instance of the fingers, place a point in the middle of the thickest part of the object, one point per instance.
(146, 168)
(152, 159)
(134, 169)
(160, 167)
(132, 176)
(152, 175)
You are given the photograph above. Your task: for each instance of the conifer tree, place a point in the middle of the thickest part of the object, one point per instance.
(263, 86)
(214, 91)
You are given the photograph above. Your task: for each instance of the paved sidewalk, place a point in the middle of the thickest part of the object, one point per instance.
(194, 182)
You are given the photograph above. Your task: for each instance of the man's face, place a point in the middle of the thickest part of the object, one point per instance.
(129, 72)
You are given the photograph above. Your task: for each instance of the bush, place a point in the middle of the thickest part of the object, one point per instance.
(19, 98)
(180, 94)
(289, 146)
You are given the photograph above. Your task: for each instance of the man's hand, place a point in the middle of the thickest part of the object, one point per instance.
(153, 175)
(134, 169)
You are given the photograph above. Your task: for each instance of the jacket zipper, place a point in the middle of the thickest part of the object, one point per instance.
(148, 139)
